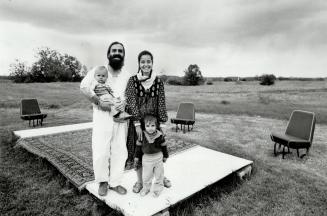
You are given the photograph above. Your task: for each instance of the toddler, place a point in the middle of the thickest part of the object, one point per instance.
(154, 150)
(105, 93)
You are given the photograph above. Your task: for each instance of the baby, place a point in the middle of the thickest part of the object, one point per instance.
(105, 93)
(154, 150)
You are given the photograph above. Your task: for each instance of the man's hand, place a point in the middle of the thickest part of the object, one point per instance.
(164, 160)
(139, 132)
(95, 99)
(120, 105)
(105, 105)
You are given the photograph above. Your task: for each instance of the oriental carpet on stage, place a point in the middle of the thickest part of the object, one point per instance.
(71, 153)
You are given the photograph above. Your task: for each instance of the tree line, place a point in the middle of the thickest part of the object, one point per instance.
(51, 66)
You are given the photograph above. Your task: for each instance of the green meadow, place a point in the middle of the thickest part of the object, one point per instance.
(234, 118)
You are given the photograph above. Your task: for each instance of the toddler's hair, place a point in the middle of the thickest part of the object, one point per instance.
(101, 68)
(150, 118)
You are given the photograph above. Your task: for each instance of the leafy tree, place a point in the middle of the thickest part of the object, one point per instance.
(52, 66)
(19, 72)
(193, 75)
(267, 79)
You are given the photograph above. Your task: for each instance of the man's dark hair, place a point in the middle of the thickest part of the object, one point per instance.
(113, 43)
(113, 62)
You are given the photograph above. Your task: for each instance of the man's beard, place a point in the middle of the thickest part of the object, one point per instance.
(116, 61)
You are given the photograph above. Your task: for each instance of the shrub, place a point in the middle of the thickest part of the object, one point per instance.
(164, 78)
(267, 79)
(225, 102)
(193, 75)
(230, 79)
(209, 82)
(19, 72)
(175, 81)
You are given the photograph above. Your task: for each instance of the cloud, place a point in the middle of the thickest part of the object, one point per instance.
(278, 23)
(226, 35)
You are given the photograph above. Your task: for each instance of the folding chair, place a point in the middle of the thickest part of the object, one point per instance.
(185, 116)
(30, 110)
(298, 134)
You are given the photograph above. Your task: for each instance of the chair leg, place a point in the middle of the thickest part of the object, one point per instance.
(29, 122)
(188, 127)
(176, 127)
(308, 151)
(41, 121)
(297, 151)
(275, 152)
(283, 152)
(306, 154)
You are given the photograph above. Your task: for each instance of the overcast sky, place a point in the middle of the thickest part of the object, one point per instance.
(224, 37)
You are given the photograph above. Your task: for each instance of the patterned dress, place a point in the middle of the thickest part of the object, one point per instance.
(141, 102)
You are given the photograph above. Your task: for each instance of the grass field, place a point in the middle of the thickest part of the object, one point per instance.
(232, 118)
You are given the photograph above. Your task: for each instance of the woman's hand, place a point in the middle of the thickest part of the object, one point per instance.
(163, 130)
(139, 132)
(137, 164)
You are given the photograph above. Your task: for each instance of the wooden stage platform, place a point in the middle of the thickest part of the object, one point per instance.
(189, 171)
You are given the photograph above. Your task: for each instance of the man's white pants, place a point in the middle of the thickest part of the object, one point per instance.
(109, 150)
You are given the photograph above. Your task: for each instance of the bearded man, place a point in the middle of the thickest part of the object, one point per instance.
(109, 152)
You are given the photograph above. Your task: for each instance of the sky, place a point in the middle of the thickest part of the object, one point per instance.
(223, 37)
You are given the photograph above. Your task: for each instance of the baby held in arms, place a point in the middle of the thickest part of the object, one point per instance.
(105, 93)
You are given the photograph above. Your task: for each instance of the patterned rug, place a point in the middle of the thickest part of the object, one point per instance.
(71, 153)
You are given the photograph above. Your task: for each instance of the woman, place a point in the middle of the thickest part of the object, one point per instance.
(145, 95)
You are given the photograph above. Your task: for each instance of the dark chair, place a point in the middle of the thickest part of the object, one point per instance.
(298, 134)
(185, 116)
(30, 110)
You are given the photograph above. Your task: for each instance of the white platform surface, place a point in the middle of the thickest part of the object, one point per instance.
(52, 130)
(189, 172)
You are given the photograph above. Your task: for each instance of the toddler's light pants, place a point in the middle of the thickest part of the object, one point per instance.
(152, 166)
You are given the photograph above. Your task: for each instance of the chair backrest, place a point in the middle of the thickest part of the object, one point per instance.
(186, 111)
(301, 125)
(29, 107)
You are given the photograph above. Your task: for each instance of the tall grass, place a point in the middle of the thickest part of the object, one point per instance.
(231, 118)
